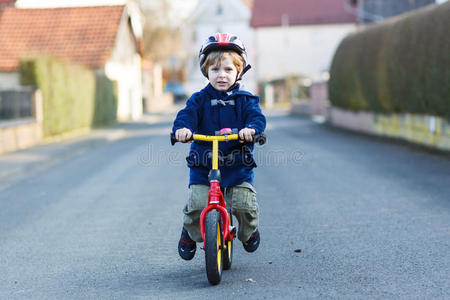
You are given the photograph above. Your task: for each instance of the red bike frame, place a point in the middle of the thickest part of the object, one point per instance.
(217, 201)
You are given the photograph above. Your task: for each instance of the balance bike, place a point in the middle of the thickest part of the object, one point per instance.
(216, 225)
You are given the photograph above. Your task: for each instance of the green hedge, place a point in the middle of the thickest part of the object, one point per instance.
(105, 111)
(74, 97)
(401, 65)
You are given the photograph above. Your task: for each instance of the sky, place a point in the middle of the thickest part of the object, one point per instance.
(59, 3)
(180, 9)
(181, 6)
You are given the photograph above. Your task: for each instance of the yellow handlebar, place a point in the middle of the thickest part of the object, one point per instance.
(215, 139)
(219, 138)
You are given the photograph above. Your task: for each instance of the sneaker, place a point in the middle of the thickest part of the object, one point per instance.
(253, 242)
(186, 246)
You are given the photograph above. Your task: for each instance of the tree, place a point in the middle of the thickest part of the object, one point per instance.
(161, 38)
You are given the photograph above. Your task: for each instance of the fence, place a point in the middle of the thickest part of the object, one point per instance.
(21, 119)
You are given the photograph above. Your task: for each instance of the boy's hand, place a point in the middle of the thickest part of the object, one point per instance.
(246, 134)
(183, 135)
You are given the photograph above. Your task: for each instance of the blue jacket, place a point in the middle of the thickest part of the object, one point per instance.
(209, 111)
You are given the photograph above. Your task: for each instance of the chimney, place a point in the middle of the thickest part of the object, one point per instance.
(7, 3)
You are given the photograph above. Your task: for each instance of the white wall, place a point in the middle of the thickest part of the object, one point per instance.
(124, 66)
(235, 19)
(9, 80)
(297, 50)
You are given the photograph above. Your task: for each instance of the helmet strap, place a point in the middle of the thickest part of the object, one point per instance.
(238, 78)
(247, 67)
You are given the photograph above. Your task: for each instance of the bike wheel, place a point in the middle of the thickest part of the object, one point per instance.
(213, 247)
(228, 251)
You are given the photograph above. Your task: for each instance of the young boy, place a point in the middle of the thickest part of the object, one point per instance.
(221, 104)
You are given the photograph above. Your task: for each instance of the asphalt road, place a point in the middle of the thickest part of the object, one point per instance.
(101, 217)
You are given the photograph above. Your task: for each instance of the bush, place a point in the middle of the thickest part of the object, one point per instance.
(74, 97)
(401, 65)
(105, 111)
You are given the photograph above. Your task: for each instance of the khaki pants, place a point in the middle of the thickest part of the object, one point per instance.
(240, 198)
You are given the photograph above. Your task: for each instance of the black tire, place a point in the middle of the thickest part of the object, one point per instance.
(213, 247)
(228, 251)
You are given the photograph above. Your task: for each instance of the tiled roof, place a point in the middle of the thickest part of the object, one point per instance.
(300, 12)
(82, 34)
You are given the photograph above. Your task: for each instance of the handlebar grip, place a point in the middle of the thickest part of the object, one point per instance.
(174, 140)
(260, 138)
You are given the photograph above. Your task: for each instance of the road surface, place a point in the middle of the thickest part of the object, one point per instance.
(342, 216)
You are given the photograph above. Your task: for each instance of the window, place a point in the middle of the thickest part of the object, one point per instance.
(219, 10)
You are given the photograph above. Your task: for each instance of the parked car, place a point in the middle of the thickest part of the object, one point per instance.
(177, 89)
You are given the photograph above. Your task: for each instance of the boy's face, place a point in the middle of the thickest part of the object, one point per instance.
(222, 77)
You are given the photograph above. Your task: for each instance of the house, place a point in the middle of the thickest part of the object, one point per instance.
(209, 17)
(103, 38)
(298, 38)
